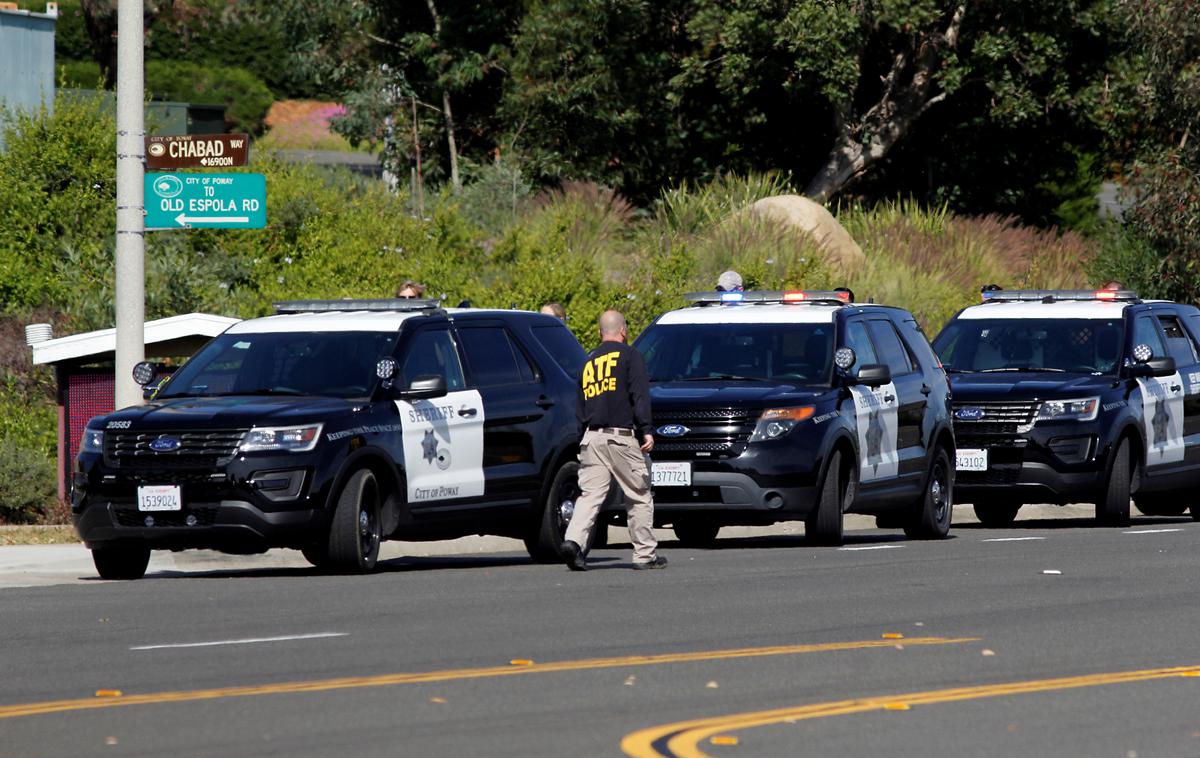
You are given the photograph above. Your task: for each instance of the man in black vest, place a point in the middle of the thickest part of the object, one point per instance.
(614, 411)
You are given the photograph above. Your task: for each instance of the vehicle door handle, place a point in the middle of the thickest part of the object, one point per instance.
(544, 402)
(467, 412)
(888, 398)
(926, 389)
(1175, 388)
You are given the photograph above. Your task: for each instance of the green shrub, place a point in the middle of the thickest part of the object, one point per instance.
(27, 485)
(245, 97)
(80, 75)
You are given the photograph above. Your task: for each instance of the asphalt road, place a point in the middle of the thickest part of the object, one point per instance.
(762, 647)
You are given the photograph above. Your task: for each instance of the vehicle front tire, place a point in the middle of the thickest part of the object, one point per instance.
(317, 554)
(1113, 508)
(354, 534)
(544, 544)
(696, 532)
(122, 562)
(824, 525)
(930, 519)
(996, 515)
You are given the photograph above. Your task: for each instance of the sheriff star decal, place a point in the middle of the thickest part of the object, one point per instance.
(429, 447)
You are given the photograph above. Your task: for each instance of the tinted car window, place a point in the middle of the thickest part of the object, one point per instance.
(562, 346)
(860, 343)
(793, 352)
(1074, 345)
(432, 352)
(333, 364)
(893, 351)
(1144, 333)
(1179, 343)
(494, 360)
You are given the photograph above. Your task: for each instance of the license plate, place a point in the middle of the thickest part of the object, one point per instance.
(671, 474)
(160, 497)
(971, 460)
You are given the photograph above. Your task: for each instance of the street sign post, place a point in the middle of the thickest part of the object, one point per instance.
(206, 201)
(197, 151)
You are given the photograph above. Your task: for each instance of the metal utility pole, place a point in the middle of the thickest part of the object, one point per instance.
(131, 238)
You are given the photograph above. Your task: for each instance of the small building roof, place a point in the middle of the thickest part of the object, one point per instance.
(173, 336)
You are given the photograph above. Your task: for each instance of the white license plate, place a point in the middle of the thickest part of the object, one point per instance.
(671, 474)
(160, 497)
(971, 460)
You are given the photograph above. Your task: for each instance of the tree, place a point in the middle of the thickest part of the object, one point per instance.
(100, 19)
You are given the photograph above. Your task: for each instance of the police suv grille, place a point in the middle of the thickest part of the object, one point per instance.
(712, 433)
(998, 417)
(131, 516)
(205, 448)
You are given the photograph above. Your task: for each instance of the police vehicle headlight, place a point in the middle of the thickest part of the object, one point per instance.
(297, 439)
(92, 442)
(1083, 409)
(776, 422)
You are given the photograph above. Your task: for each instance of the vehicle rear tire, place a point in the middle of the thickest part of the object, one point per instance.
(1161, 504)
(354, 534)
(824, 525)
(123, 562)
(544, 544)
(696, 532)
(1113, 508)
(930, 519)
(996, 515)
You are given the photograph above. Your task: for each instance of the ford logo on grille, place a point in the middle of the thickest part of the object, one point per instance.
(969, 414)
(673, 430)
(165, 444)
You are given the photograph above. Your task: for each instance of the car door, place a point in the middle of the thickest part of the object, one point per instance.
(442, 436)
(875, 413)
(1162, 401)
(912, 396)
(1181, 345)
(516, 403)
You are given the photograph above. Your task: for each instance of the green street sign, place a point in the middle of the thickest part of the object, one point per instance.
(206, 201)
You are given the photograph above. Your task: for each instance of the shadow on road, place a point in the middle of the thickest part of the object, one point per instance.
(1075, 523)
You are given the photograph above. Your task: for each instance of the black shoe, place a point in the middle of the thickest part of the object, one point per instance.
(572, 558)
(659, 562)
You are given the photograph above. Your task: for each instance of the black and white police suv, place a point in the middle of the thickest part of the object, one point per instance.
(336, 424)
(1075, 396)
(777, 406)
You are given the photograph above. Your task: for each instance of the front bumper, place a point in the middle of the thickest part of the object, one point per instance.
(1050, 464)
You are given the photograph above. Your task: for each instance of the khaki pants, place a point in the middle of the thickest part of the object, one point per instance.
(603, 456)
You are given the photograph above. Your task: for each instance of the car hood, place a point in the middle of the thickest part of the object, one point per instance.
(229, 412)
(727, 394)
(1025, 385)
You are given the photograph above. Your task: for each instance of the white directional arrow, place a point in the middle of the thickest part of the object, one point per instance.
(204, 161)
(183, 220)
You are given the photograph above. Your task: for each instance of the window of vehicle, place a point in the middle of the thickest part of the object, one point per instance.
(494, 359)
(1087, 346)
(332, 364)
(432, 352)
(1180, 345)
(894, 354)
(562, 346)
(858, 341)
(786, 352)
(1145, 333)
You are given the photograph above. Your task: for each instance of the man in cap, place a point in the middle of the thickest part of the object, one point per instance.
(614, 411)
(730, 281)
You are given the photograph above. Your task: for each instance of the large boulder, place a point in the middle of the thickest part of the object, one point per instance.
(841, 252)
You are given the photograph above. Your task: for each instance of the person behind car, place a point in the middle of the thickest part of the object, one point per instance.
(556, 310)
(730, 281)
(410, 289)
(614, 411)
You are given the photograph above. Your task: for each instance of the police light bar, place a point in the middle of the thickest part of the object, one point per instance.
(820, 297)
(1050, 296)
(382, 304)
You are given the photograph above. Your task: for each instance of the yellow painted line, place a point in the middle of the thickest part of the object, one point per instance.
(682, 739)
(387, 680)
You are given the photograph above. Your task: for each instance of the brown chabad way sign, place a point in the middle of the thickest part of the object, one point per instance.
(197, 151)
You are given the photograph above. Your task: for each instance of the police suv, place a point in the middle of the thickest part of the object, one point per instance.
(334, 425)
(1075, 396)
(777, 406)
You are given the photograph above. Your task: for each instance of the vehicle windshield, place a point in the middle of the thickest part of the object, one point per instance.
(329, 364)
(1083, 346)
(799, 353)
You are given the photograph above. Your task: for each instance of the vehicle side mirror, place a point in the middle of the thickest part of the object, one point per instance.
(424, 386)
(873, 375)
(1164, 366)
